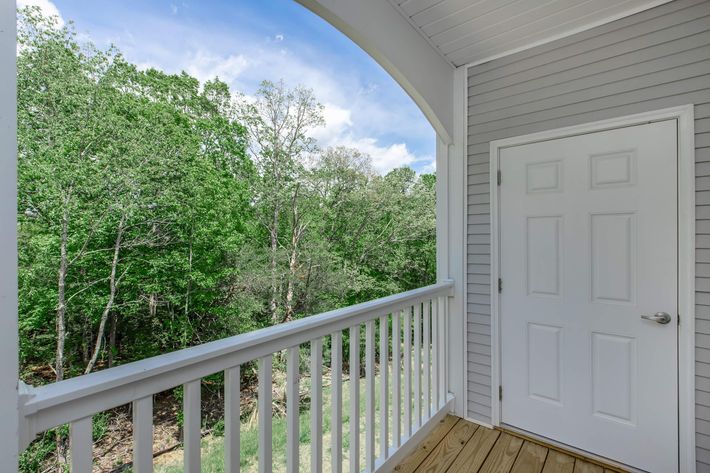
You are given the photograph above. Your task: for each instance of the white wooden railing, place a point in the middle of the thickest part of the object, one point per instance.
(414, 352)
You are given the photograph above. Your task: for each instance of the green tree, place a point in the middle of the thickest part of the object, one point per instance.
(156, 212)
(279, 121)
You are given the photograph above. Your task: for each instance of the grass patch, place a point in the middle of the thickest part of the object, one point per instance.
(213, 445)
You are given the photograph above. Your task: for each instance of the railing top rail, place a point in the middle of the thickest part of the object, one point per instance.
(84, 395)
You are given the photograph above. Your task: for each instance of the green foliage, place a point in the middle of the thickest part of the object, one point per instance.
(156, 213)
(191, 214)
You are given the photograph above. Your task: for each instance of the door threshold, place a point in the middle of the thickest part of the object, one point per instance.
(605, 463)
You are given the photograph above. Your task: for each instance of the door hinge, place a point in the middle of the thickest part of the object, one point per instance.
(500, 285)
(500, 177)
(500, 393)
(678, 319)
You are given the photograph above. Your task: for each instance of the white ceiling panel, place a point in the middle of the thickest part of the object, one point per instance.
(474, 31)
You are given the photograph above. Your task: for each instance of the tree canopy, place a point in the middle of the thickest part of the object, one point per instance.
(156, 212)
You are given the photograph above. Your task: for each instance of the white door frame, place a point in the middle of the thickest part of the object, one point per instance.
(684, 115)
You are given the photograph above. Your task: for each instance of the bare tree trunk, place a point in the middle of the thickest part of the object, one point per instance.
(61, 293)
(152, 305)
(61, 318)
(296, 233)
(189, 278)
(274, 277)
(112, 339)
(111, 297)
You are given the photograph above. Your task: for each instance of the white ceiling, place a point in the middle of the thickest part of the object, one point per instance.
(474, 31)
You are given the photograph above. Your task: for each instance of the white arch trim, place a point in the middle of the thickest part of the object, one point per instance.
(378, 28)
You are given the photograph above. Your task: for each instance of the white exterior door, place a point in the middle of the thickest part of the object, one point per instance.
(588, 244)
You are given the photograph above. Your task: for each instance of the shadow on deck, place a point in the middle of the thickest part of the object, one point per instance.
(458, 446)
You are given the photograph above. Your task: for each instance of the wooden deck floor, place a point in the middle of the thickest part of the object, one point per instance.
(459, 446)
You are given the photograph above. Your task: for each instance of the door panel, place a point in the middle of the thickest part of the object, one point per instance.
(588, 243)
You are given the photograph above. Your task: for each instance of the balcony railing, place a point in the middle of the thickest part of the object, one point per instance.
(412, 395)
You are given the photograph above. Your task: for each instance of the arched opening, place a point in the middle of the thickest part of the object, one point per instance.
(121, 164)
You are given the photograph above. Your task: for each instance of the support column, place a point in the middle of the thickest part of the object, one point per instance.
(8, 239)
(451, 246)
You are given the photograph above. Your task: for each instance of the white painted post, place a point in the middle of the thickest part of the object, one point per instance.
(370, 395)
(428, 409)
(265, 414)
(316, 405)
(408, 372)
(81, 445)
(336, 402)
(454, 189)
(417, 365)
(143, 435)
(292, 410)
(384, 388)
(232, 419)
(396, 374)
(436, 375)
(192, 425)
(354, 399)
(9, 412)
(441, 329)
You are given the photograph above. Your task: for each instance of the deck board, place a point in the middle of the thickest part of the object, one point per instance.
(531, 458)
(503, 454)
(412, 462)
(558, 462)
(448, 449)
(585, 467)
(475, 452)
(458, 446)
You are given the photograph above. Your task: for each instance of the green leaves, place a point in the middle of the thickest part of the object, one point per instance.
(190, 214)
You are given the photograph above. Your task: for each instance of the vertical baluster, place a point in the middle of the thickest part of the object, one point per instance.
(426, 313)
(396, 373)
(442, 319)
(143, 435)
(336, 402)
(408, 372)
(316, 406)
(370, 395)
(265, 413)
(232, 419)
(417, 365)
(355, 399)
(81, 445)
(192, 424)
(435, 376)
(292, 410)
(384, 387)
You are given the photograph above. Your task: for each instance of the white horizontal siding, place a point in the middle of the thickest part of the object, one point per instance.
(655, 59)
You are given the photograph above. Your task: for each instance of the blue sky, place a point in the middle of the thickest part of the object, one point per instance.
(246, 41)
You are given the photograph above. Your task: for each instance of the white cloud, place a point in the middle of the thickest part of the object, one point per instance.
(173, 9)
(429, 167)
(339, 130)
(46, 7)
(205, 66)
(338, 121)
(278, 38)
(388, 157)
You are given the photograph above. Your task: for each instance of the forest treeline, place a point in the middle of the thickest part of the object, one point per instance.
(156, 212)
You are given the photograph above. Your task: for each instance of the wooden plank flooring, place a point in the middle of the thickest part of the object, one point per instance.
(458, 446)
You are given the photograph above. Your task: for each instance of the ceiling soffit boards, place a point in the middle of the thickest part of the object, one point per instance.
(476, 31)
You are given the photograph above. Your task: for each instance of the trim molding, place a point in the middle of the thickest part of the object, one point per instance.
(684, 116)
(478, 422)
(461, 118)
